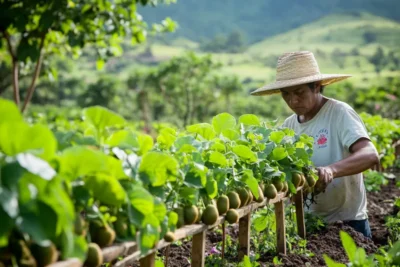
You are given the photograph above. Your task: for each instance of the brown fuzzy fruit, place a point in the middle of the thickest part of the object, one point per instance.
(223, 204)
(303, 180)
(296, 179)
(232, 216)
(104, 236)
(121, 227)
(260, 195)
(251, 197)
(79, 225)
(244, 196)
(94, 256)
(278, 186)
(44, 255)
(181, 217)
(199, 217)
(191, 213)
(270, 191)
(169, 237)
(262, 186)
(310, 181)
(234, 200)
(210, 215)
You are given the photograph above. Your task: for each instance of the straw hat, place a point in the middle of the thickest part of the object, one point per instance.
(296, 68)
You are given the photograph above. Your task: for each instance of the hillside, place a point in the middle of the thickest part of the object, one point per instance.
(258, 18)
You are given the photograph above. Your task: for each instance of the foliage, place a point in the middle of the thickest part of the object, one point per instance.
(374, 180)
(232, 43)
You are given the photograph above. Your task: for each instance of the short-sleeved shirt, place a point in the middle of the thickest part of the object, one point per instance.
(335, 128)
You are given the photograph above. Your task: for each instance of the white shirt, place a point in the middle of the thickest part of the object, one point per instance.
(335, 128)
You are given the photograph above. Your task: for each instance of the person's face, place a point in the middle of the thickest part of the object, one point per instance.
(300, 98)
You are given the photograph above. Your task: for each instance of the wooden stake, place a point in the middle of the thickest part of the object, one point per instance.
(166, 256)
(148, 261)
(244, 236)
(280, 227)
(223, 242)
(301, 226)
(198, 249)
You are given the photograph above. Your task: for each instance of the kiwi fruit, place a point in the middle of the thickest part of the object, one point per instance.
(191, 213)
(234, 200)
(121, 227)
(244, 196)
(285, 187)
(181, 217)
(310, 181)
(169, 236)
(232, 216)
(296, 179)
(199, 217)
(278, 185)
(260, 195)
(303, 180)
(210, 215)
(79, 225)
(270, 191)
(104, 236)
(44, 255)
(262, 186)
(94, 256)
(251, 197)
(223, 204)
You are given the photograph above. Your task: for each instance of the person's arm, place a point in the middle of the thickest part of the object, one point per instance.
(363, 156)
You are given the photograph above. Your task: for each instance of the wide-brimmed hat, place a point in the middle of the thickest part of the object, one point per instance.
(296, 68)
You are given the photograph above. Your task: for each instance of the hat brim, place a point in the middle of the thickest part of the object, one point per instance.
(274, 88)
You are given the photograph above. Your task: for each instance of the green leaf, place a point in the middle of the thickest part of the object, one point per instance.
(279, 153)
(141, 200)
(245, 153)
(231, 134)
(106, 188)
(277, 137)
(100, 64)
(36, 166)
(80, 161)
(159, 209)
(218, 158)
(123, 139)
(9, 202)
(101, 118)
(205, 130)
(159, 263)
(360, 257)
(172, 219)
(251, 182)
(7, 225)
(246, 261)
(190, 194)
(159, 168)
(19, 137)
(212, 188)
(145, 143)
(167, 137)
(249, 119)
(223, 121)
(260, 223)
(196, 176)
(349, 245)
(9, 111)
(148, 237)
(331, 263)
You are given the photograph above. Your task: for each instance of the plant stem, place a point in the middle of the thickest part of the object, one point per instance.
(14, 67)
(31, 88)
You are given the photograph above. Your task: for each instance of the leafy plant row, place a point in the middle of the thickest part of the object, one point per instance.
(80, 186)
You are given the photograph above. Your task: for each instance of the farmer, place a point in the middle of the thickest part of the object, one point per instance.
(342, 147)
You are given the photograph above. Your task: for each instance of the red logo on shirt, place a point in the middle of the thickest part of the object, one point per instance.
(321, 138)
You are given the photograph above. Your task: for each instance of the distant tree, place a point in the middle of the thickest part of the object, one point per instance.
(338, 57)
(31, 29)
(235, 42)
(228, 85)
(232, 43)
(101, 93)
(355, 52)
(378, 59)
(369, 37)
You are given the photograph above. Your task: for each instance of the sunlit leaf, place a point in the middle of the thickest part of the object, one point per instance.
(223, 121)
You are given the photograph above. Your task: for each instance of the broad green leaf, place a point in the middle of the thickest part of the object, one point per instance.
(223, 121)
(277, 137)
(19, 137)
(251, 182)
(145, 143)
(159, 263)
(10, 175)
(166, 137)
(148, 237)
(189, 193)
(260, 223)
(159, 209)
(7, 225)
(218, 158)
(172, 219)
(231, 134)
(80, 161)
(245, 153)
(218, 147)
(349, 245)
(203, 129)
(114, 168)
(9, 202)
(196, 176)
(73, 246)
(141, 200)
(279, 153)
(246, 261)
(36, 166)
(331, 263)
(249, 119)
(212, 188)
(106, 188)
(101, 118)
(159, 168)
(9, 111)
(360, 257)
(123, 139)
(186, 144)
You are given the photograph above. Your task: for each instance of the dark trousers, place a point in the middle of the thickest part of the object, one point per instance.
(361, 226)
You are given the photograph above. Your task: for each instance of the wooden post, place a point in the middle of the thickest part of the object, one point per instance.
(301, 227)
(244, 236)
(198, 249)
(148, 261)
(223, 241)
(280, 227)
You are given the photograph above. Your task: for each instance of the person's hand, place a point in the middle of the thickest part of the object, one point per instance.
(325, 175)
